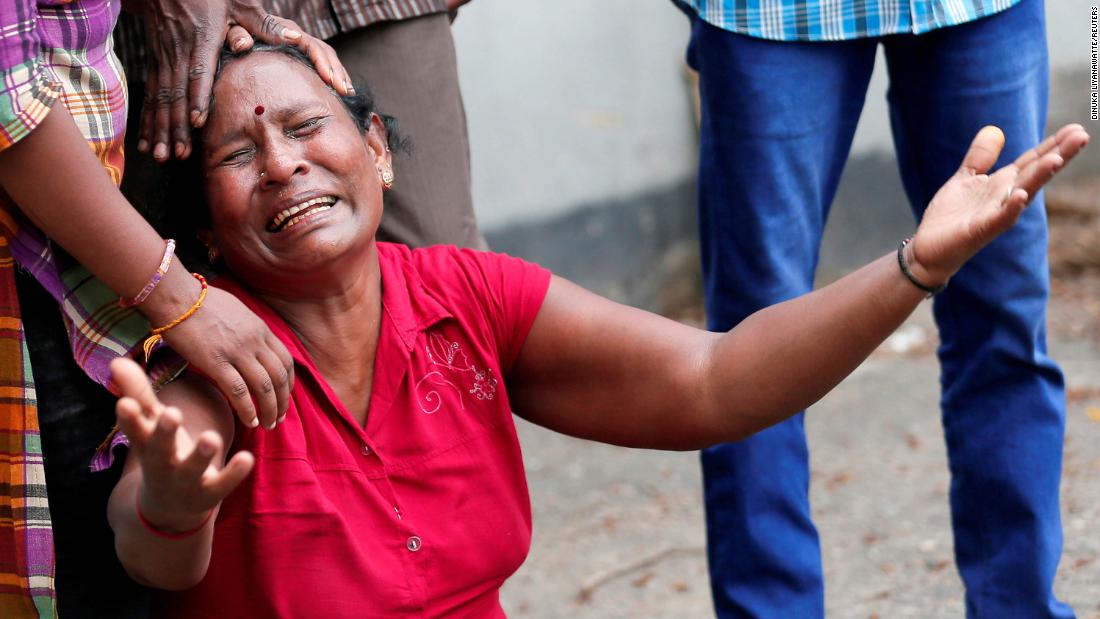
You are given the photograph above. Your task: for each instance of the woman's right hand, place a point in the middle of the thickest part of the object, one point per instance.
(182, 479)
(972, 208)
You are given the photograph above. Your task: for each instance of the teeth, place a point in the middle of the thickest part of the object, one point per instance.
(304, 216)
(290, 212)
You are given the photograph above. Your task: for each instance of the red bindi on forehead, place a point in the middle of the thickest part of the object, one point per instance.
(259, 110)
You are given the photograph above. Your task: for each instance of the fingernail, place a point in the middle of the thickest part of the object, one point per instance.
(255, 423)
(195, 117)
(281, 418)
(143, 146)
(179, 150)
(293, 35)
(238, 44)
(160, 151)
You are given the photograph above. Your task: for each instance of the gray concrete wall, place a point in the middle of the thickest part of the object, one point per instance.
(571, 102)
(583, 141)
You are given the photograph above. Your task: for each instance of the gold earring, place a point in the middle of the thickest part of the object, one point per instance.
(212, 254)
(387, 178)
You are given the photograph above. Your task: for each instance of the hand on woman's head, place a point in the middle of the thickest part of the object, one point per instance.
(183, 50)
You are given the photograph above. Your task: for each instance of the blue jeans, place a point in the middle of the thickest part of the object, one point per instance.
(778, 120)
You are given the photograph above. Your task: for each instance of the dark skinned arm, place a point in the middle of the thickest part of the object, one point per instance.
(595, 369)
(87, 215)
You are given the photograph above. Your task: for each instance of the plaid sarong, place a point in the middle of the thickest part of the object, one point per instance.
(51, 51)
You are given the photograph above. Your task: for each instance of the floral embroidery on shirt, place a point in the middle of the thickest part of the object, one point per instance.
(449, 355)
(431, 400)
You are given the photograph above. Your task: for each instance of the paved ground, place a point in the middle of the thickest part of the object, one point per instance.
(619, 533)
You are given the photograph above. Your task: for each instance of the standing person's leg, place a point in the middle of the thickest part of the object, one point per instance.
(1003, 399)
(410, 68)
(777, 123)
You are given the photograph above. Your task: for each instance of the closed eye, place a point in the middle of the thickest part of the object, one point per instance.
(308, 127)
(238, 157)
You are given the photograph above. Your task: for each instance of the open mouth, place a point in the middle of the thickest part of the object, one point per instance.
(288, 217)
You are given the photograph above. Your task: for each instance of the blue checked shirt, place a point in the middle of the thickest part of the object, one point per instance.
(838, 20)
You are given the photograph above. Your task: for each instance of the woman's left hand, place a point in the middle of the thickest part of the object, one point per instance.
(972, 208)
(184, 38)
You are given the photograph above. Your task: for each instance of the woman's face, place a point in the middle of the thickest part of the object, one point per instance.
(292, 183)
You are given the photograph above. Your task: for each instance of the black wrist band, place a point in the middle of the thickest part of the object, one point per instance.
(932, 291)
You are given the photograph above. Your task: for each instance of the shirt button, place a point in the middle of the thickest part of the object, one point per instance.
(366, 450)
(413, 544)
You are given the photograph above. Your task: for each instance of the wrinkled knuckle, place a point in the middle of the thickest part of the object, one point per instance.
(238, 389)
(202, 28)
(267, 386)
(269, 24)
(197, 71)
(220, 359)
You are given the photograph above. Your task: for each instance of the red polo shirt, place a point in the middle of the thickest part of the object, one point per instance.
(422, 513)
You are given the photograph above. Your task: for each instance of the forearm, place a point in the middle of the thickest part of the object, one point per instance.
(595, 369)
(786, 357)
(87, 215)
(152, 560)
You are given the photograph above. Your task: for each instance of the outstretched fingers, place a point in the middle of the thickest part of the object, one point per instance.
(133, 423)
(219, 484)
(1005, 201)
(1067, 141)
(984, 151)
(160, 456)
(192, 468)
(132, 382)
(1041, 163)
(1036, 173)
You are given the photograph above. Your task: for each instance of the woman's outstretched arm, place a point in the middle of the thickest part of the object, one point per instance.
(599, 370)
(163, 508)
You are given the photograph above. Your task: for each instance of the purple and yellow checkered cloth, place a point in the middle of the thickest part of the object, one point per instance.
(50, 51)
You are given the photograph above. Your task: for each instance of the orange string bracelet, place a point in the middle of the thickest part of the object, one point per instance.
(166, 534)
(156, 337)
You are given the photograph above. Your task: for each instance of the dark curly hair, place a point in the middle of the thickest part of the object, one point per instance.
(181, 210)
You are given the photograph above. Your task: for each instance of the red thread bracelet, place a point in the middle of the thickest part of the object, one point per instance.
(165, 534)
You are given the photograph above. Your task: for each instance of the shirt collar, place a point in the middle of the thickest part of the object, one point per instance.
(409, 306)
(406, 304)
